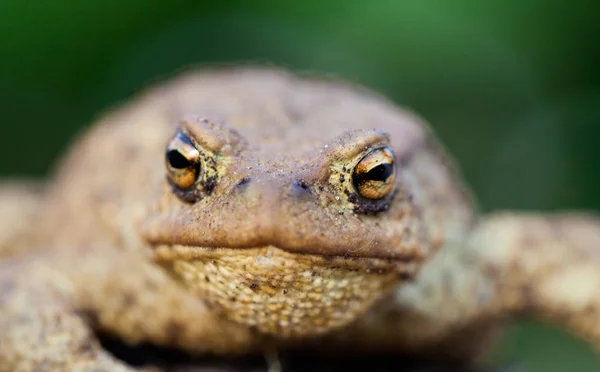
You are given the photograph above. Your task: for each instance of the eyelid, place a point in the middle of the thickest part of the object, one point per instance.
(352, 144)
(182, 143)
(209, 135)
(350, 148)
(382, 153)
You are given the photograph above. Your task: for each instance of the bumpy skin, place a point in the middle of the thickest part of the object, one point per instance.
(273, 247)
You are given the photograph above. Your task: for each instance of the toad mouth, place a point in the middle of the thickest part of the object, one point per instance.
(165, 254)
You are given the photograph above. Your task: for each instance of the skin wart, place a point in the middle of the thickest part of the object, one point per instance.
(235, 211)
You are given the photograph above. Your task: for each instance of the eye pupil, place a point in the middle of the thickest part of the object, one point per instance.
(379, 173)
(374, 175)
(177, 160)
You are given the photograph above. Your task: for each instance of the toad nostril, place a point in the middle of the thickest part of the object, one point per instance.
(301, 183)
(243, 183)
(300, 188)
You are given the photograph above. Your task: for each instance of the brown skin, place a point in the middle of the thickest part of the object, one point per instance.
(279, 237)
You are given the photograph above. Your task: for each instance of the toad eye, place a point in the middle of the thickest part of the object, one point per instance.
(374, 175)
(182, 161)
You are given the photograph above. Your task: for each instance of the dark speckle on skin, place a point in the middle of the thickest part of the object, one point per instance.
(371, 208)
(129, 299)
(254, 286)
(173, 331)
(209, 185)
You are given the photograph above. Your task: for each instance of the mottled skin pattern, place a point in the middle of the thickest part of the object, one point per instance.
(273, 247)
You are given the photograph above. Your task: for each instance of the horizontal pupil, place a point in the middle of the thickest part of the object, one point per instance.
(379, 173)
(176, 160)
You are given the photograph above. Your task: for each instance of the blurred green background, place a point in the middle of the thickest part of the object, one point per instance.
(512, 87)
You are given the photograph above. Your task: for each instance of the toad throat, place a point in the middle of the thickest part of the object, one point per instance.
(279, 293)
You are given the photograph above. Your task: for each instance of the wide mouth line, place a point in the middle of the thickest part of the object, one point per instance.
(390, 245)
(190, 248)
(325, 251)
(165, 253)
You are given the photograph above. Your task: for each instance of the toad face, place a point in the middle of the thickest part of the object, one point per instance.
(292, 243)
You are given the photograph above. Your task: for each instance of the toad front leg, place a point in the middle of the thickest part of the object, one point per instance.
(46, 307)
(41, 330)
(542, 266)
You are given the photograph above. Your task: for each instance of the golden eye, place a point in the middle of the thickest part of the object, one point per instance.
(183, 162)
(374, 175)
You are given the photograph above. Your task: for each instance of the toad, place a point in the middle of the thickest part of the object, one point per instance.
(240, 210)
